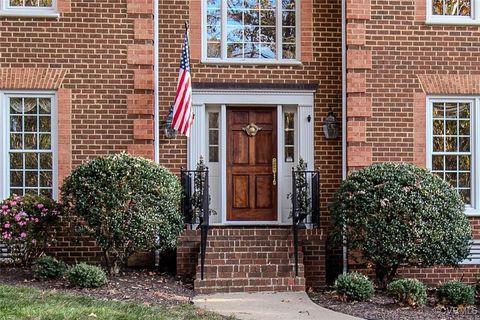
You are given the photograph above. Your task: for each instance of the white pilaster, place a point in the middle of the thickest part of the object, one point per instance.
(196, 144)
(305, 127)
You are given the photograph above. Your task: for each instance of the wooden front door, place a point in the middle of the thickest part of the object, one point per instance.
(251, 152)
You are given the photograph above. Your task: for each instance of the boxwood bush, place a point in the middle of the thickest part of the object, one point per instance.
(83, 275)
(47, 267)
(354, 287)
(399, 214)
(456, 293)
(128, 204)
(411, 292)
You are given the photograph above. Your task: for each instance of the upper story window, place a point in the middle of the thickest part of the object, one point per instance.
(452, 11)
(453, 151)
(251, 30)
(40, 8)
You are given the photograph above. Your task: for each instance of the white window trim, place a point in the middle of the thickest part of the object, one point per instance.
(4, 130)
(474, 19)
(45, 12)
(224, 60)
(472, 210)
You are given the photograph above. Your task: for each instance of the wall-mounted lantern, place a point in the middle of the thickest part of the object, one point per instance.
(330, 126)
(170, 133)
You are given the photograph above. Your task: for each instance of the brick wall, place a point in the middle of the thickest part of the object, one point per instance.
(409, 60)
(92, 55)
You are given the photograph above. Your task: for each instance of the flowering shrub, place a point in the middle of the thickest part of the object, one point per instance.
(400, 214)
(27, 226)
(128, 204)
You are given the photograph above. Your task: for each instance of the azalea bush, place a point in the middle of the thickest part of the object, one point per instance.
(28, 225)
(128, 204)
(399, 214)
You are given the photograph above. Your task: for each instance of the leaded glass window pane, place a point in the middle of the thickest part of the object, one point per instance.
(452, 154)
(30, 146)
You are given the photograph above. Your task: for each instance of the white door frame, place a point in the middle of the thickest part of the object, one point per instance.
(302, 99)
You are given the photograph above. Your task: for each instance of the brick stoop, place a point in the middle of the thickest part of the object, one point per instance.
(250, 260)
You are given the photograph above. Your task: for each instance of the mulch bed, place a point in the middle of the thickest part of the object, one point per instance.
(140, 286)
(383, 307)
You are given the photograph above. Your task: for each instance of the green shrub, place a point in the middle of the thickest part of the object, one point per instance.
(86, 276)
(127, 204)
(400, 214)
(456, 293)
(411, 292)
(48, 268)
(354, 286)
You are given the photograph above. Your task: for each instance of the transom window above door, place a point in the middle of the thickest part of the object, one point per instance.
(251, 30)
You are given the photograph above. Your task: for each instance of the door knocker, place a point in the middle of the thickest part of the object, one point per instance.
(252, 129)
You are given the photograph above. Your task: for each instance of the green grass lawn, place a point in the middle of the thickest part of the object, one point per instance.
(32, 304)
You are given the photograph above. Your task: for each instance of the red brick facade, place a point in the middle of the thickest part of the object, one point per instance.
(410, 60)
(98, 56)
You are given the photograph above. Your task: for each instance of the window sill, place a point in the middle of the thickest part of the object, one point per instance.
(253, 62)
(472, 212)
(452, 22)
(30, 14)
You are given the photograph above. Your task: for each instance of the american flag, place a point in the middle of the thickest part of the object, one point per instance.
(182, 110)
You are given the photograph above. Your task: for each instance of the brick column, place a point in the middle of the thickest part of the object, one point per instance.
(141, 55)
(359, 104)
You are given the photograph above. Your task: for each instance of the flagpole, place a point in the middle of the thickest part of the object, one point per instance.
(187, 32)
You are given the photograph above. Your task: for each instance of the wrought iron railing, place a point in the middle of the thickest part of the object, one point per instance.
(195, 206)
(305, 204)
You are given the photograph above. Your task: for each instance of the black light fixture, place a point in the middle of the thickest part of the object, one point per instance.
(170, 133)
(330, 126)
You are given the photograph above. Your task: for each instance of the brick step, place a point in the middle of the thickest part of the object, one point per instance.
(227, 243)
(249, 285)
(250, 255)
(255, 232)
(250, 271)
(250, 249)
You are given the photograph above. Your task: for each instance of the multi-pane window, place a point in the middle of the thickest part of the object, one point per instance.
(47, 8)
(289, 132)
(452, 7)
(213, 136)
(251, 30)
(30, 3)
(452, 144)
(29, 145)
(453, 11)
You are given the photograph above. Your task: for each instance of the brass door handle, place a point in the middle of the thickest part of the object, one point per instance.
(274, 170)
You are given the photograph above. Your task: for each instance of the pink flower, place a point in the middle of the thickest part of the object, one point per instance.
(13, 203)
(6, 225)
(40, 206)
(7, 235)
(4, 207)
(34, 241)
(18, 217)
(23, 235)
(22, 223)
